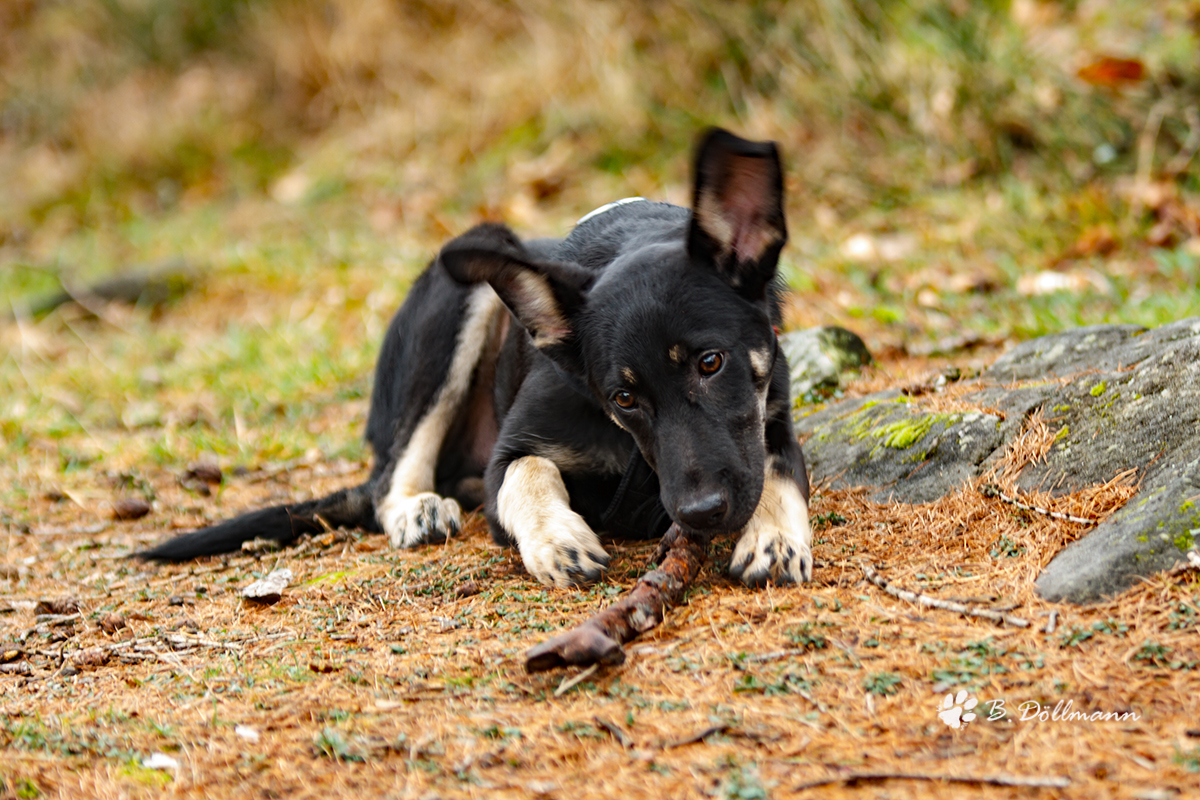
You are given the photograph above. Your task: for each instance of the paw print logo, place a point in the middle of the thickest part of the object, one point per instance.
(956, 709)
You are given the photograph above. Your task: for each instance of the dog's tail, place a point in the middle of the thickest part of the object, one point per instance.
(351, 508)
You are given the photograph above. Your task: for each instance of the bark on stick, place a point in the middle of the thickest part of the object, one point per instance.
(599, 639)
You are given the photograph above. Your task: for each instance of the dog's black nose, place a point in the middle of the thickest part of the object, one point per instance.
(704, 512)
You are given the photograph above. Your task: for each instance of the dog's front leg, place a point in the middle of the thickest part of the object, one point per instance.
(407, 506)
(776, 544)
(557, 546)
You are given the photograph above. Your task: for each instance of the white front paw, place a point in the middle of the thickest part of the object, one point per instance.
(420, 519)
(564, 553)
(776, 543)
(768, 553)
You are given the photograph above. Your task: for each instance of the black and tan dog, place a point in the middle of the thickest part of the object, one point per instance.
(613, 381)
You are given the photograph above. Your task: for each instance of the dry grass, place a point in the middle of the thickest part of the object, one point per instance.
(398, 674)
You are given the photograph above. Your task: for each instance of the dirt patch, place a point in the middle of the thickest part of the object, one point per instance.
(399, 674)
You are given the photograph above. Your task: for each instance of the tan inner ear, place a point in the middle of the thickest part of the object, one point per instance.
(538, 309)
(734, 218)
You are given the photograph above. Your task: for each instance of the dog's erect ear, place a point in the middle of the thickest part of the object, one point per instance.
(738, 224)
(544, 295)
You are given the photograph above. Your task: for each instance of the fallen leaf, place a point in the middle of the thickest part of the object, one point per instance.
(57, 605)
(1112, 72)
(324, 668)
(1095, 241)
(112, 622)
(91, 657)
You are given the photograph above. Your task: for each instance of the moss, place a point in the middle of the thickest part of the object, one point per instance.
(1185, 541)
(1063, 433)
(903, 434)
(1099, 388)
(899, 434)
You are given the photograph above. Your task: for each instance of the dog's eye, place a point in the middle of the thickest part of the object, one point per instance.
(710, 363)
(624, 400)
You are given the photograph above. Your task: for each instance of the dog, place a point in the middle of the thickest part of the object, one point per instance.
(620, 379)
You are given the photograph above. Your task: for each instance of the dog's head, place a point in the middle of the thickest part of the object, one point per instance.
(674, 337)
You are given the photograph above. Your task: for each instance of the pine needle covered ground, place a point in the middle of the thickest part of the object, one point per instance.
(961, 175)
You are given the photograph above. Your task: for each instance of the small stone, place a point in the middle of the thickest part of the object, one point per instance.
(160, 761)
(130, 508)
(201, 477)
(246, 732)
(268, 590)
(206, 471)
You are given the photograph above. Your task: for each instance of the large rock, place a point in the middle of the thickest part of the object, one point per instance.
(818, 357)
(1121, 397)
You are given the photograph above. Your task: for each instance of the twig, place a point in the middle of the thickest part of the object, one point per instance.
(1180, 162)
(188, 641)
(1052, 622)
(81, 530)
(775, 655)
(720, 727)
(992, 490)
(570, 683)
(1052, 781)
(1145, 154)
(617, 732)
(934, 602)
(599, 639)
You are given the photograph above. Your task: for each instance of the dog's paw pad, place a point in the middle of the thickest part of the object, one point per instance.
(770, 554)
(421, 519)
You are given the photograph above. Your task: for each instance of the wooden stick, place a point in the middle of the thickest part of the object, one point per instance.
(934, 602)
(599, 639)
(1051, 781)
(615, 731)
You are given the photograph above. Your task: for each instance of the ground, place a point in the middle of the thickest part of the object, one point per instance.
(960, 177)
(400, 673)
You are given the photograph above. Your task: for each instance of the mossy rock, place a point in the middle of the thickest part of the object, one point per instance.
(1118, 398)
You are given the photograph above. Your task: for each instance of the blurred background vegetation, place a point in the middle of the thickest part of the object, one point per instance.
(958, 171)
(960, 135)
